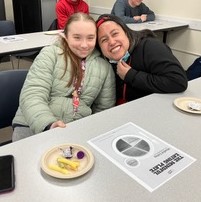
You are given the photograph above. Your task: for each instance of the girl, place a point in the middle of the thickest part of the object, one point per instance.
(67, 81)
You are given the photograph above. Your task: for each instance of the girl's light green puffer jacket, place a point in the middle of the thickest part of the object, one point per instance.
(45, 97)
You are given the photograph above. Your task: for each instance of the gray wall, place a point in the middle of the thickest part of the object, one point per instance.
(2, 10)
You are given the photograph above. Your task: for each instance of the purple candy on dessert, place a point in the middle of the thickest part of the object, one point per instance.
(80, 154)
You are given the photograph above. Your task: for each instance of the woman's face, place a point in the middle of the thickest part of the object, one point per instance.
(112, 40)
(81, 38)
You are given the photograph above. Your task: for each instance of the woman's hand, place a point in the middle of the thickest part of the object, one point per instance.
(122, 69)
(60, 124)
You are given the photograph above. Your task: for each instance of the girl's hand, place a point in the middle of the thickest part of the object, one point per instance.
(60, 124)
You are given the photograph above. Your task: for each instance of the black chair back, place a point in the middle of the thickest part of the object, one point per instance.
(7, 27)
(53, 26)
(11, 83)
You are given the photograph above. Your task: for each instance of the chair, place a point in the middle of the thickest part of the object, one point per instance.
(194, 71)
(53, 26)
(7, 27)
(11, 82)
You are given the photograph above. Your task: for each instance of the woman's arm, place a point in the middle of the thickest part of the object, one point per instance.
(158, 71)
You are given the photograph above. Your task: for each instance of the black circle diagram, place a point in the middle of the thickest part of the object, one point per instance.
(132, 146)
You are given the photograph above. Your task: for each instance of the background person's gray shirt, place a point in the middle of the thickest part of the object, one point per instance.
(123, 10)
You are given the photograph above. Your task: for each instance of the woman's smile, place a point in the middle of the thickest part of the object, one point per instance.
(115, 49)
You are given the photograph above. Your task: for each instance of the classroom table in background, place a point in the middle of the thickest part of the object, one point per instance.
(164, 26)
(21, 43)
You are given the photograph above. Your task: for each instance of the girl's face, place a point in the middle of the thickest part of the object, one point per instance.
(112, 40)
(81, 38)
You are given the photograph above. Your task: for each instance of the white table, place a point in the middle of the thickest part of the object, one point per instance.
(159, 26)
(29, 42)
(106, 182)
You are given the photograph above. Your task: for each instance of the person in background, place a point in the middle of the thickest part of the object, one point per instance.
(67, 81)
(132, 11)
(65, 8)
(143, 64)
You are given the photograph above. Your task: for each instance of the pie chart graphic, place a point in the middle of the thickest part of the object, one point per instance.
(132, 146)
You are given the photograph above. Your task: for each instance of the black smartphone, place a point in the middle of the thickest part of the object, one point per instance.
(7, 176)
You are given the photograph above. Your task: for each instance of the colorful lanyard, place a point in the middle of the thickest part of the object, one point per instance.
(77, 91)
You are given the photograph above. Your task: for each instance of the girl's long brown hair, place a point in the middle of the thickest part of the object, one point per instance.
(75, 62)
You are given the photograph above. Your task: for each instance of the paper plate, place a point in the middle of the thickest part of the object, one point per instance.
(50, 158)
(53, 32)
(183, 104)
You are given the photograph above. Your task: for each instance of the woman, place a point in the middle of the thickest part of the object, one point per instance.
(143, 64)
(67, 81)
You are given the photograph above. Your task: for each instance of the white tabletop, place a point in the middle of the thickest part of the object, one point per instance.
(105, 182)
(158, 25)
(26, 42)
